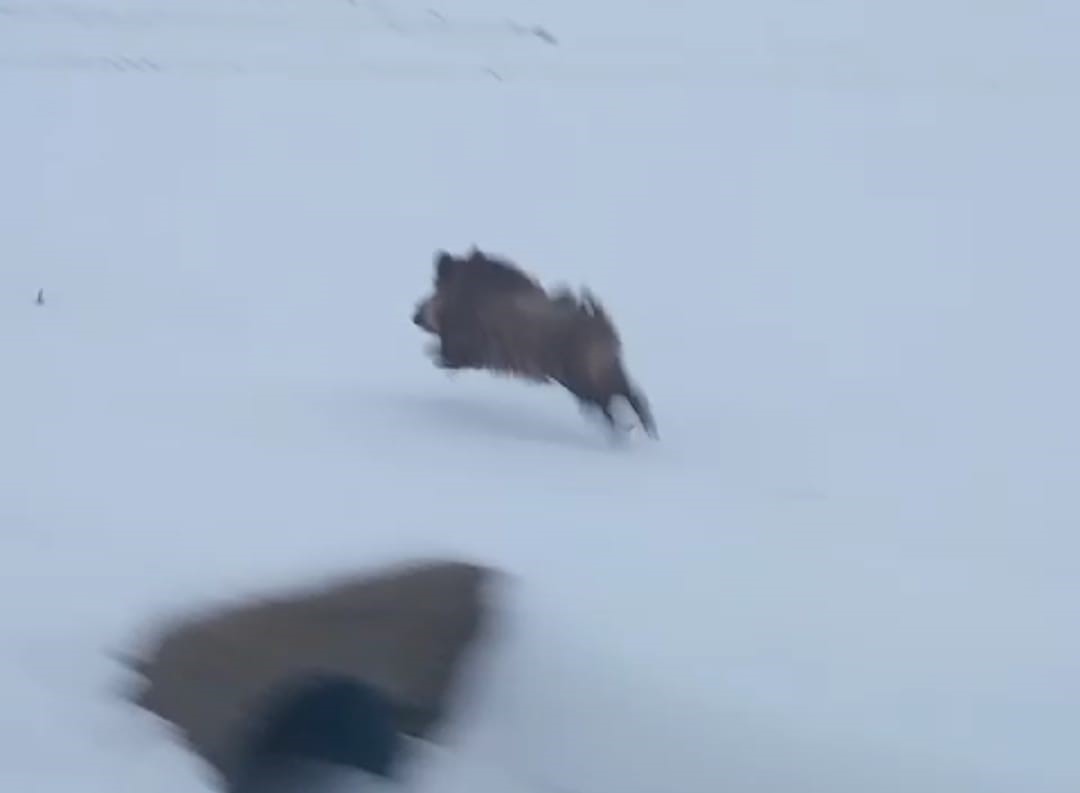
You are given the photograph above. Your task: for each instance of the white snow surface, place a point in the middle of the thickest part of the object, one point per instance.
(839, 239)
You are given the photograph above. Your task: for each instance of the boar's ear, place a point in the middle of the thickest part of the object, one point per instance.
(444, 262)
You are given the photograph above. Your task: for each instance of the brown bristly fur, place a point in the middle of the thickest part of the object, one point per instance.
(490, 315)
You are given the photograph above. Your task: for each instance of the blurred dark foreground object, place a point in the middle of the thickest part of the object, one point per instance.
(336, 675)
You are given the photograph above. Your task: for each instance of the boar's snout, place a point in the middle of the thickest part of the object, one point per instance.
(422, 317)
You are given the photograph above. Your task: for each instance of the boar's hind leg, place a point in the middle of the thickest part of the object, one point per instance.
(591, 406)
(640, 406)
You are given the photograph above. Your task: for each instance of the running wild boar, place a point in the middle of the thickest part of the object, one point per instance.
(490, 315)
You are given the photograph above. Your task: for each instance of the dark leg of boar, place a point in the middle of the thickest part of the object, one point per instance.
(604, 400)
(640, 406)
(458, 350)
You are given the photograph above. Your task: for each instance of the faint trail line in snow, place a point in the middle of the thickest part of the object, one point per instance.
(411, 69)
(375, 70)
(349, 22)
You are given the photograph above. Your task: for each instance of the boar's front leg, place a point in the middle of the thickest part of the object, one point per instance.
(457, 351)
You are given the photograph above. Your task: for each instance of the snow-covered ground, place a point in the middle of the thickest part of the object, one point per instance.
(839, 238)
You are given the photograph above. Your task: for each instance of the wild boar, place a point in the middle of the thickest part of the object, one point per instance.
(490, 315)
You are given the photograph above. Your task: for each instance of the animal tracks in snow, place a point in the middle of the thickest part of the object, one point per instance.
(346, 18)
(353, 39)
